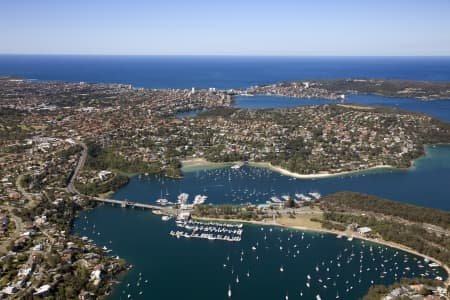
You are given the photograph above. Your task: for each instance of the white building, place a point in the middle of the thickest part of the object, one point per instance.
(42, 290)
(363, 230)
(103, 174)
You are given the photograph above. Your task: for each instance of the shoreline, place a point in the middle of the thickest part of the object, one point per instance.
(283, 171)
(393, 245)
(193, 163)
(202, 162)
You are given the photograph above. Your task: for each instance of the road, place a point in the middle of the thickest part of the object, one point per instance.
(70, 187)
(17, 231)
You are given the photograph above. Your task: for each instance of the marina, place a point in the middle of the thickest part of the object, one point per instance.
(329, 265)
(223, 185)
(269, 261)
(210, 231)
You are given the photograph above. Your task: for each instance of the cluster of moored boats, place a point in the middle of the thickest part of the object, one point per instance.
(210, 231)
(298, 197)
(182, 199)
(336, 276)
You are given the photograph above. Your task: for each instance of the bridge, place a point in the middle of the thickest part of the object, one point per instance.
(123, 203)
(126, 203)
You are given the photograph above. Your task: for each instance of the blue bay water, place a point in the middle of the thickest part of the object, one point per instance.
(439, 108)
(425, 184)
(203, 270)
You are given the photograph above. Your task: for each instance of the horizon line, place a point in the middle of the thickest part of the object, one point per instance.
(227, 55)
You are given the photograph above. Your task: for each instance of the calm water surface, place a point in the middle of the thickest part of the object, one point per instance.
(218, 71)
(203, 270)
(425, 184)
(439, 109)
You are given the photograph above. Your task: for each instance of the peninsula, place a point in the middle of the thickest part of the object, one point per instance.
(419, 230)
(338, 88)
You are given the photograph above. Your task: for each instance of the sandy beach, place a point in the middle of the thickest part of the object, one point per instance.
(201, 162)
(314, 176)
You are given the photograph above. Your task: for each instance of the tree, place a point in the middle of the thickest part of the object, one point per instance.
(290, 203)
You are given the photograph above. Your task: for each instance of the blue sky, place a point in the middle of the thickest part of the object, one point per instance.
(226, 27)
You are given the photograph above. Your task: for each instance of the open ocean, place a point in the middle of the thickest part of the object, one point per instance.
(222, 72)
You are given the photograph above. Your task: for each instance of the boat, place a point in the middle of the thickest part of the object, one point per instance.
(162, 201)
(275, 199)
(246, 95)
(281, 269)
(237, 279)
(199, 199)
(182, 198)
(236, 166)
(316, 195)
(303, 197)
(434, 265)
(165, 218)
(229, 291)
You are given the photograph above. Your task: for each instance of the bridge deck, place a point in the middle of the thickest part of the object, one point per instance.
(127, 203)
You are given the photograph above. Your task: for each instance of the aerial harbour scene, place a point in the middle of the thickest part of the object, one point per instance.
(295, 168)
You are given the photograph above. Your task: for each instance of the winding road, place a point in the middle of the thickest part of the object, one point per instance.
(70, 186)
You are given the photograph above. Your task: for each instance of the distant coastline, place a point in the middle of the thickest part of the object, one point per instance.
(160, 71)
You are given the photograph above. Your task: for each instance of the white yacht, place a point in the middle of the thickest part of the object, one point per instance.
(199, 199)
